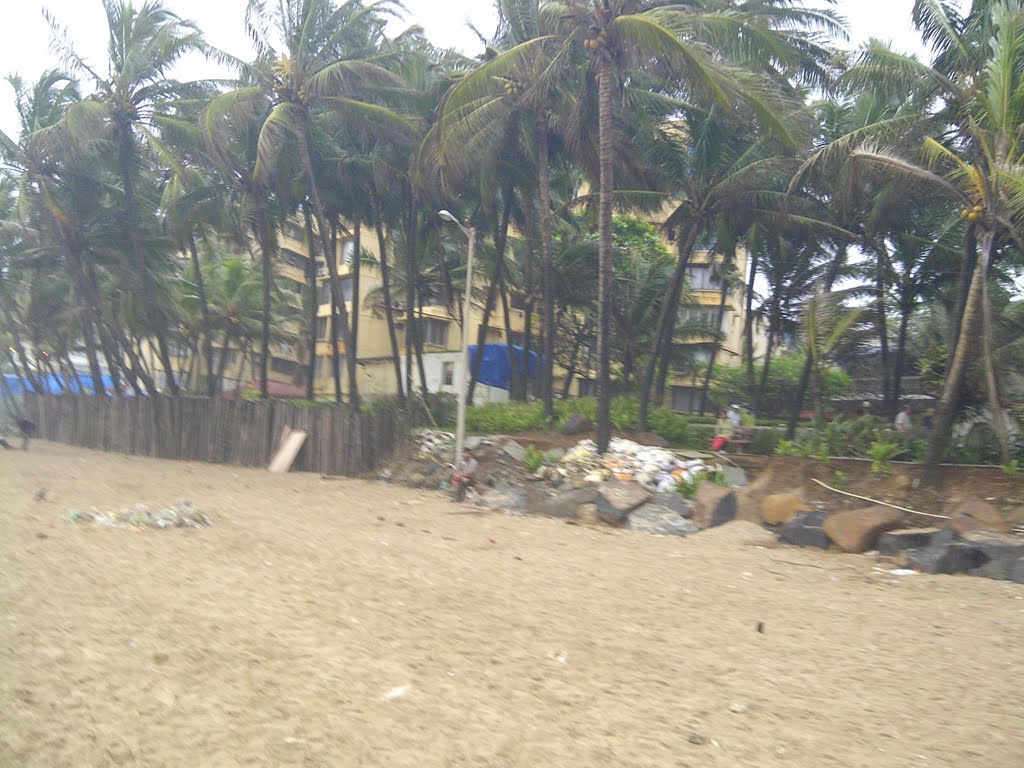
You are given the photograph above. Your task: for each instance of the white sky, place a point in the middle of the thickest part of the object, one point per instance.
(25, 36)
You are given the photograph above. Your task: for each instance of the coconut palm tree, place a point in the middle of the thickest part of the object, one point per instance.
(144, 44)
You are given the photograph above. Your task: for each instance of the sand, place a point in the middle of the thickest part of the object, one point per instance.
(348, 623)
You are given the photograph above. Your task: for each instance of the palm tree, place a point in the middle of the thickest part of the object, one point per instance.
(144, 45)
(974, 88)
(314, 56)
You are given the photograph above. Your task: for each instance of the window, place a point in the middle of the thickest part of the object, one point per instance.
(435, 332)
(321, 328)
(282, 366)
(346, 290)
(702, 279)
(348, 251)
(229, 359)
(706, 316)
(447, 374)
(685, 399)
(518, 339)
(290, 286)
(293, 258)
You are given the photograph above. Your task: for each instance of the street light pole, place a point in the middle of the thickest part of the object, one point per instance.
(463, 372)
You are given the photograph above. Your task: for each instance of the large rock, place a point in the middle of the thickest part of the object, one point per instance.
(615, 500)
(649, 438)
(674, 501)
(659, 520)
(504, 497)
(956, 557)
(857, 530)
(1002, 551)
(894, 542)
(1017, 572)
(563, 504)
(977, 515)
(577, 424)
(780, 508)
(713, 505)
(805, 530)
(513, 450)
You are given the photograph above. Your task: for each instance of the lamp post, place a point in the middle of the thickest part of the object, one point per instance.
(463, 372)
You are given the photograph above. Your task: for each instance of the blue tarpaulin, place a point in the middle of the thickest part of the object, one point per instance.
(51, 384)
(494, 368)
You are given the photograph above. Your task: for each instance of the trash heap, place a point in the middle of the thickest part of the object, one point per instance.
(182, 515)
(656, 469)
(434, 443)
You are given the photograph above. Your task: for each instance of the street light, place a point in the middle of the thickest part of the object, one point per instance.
(463, 377)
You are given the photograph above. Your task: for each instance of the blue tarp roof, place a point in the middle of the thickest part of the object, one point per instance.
(51, 384)
(494, 369)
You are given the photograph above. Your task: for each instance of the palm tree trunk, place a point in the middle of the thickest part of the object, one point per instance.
(385, 279)
(222, 363)
(530, 225)
(605, 276)
(901, 350)
(547, 254)
(411, 230)
(757, 406)
(357, 257)
(95, 372)
(266, 251)
(513, 382)
(890, 403)
(126, 152)
(419, 348)
(204, 312)
(333, 325)
(748, 328)
(314, 302)
(991, 381)
(481, 338)
(666, 327)
(955, 372)
(716, 347)
(571, 373)
(332, 264)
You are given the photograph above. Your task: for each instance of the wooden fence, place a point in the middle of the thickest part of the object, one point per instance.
(241, 432)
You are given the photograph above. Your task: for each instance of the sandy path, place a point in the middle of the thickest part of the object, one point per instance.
(272, 638)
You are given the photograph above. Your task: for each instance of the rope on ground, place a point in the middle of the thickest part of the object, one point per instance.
(876, 501)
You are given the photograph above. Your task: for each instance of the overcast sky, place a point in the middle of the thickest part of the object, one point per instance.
(25, 36)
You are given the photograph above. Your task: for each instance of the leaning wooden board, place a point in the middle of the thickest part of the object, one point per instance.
(291, 444)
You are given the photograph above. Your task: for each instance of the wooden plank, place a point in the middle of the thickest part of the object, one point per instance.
(284, 458)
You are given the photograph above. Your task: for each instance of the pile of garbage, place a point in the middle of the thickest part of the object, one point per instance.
(653, 468)
(434, 443)
(182, 515)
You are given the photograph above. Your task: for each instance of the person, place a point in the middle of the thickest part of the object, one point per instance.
(928, 421)
(724, 431)
(464, 473)
(733, 414)
(903, 424)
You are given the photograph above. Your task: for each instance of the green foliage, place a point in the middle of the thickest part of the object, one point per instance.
(1012, 469)
(730, 383)
(688, 488)
(840, 479)
(881, 453)
(765, 442)
(787, 448)
(533, 458)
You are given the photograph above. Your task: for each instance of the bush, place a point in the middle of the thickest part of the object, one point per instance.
(730, 384)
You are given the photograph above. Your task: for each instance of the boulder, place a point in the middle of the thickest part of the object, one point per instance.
(513, 450)
(780, 508)
(955, 557)
(977, 515)
(576, 424)
(587, 513)
(563, 504)
(857, 530)
(713, 505)
(1002, 551)
(615, 500)
(1017, 572)
(735, 476)
(805, 530)
(673, 501)
(659, 520)
(504, 497)
(894, 542)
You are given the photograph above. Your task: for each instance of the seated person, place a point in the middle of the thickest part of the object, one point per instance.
(465, 470)
(724, 431)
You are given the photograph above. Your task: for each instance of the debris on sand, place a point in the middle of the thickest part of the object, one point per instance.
(183, 514)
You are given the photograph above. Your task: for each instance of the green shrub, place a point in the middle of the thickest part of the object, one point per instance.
(881, 453)
(533, 458)
(765, 441)
(730, 383)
